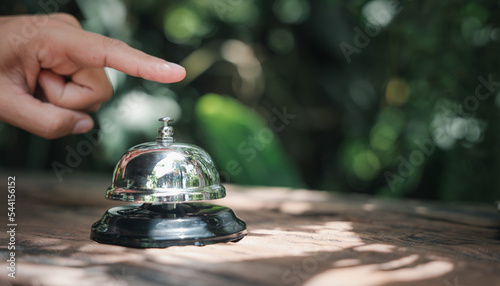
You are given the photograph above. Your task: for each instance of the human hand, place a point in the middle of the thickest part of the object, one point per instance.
(53, 55)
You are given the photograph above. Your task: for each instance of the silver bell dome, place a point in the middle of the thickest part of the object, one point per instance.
(166, 172)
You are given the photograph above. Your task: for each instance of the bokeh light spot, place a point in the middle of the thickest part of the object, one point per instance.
(397, 92)
(182, 24)
(280, 40)
(383, 137)
(362, 93)
(366, 165)
(239, 12)
(291, 11)
(378, 12)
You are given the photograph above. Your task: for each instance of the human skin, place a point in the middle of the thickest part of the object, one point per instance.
(52, 76)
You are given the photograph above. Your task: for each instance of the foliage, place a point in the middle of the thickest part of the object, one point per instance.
(385, 93)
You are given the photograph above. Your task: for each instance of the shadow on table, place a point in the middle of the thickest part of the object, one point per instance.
(341, 240)
(387, 244)
(351, 247)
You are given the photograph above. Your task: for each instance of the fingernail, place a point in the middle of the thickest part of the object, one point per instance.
(175, 66)
(82, 126)
(168, 67)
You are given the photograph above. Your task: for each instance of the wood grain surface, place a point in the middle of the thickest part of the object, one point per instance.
(296, 237)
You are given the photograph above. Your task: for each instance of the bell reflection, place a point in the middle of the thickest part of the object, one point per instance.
(169, 179)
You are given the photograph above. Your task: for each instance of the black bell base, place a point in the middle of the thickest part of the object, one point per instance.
(164, 225)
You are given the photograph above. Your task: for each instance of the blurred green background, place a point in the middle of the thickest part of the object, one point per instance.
(383, 97)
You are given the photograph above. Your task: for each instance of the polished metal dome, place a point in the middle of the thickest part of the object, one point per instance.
(166, 172)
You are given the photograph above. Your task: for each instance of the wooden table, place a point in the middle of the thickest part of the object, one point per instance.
(295, 237)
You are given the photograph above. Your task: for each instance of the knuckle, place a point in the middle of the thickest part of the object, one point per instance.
(67, 18)
(110, 43)
(143, 72)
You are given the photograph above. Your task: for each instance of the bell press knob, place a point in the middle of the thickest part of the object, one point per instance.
(165, 132)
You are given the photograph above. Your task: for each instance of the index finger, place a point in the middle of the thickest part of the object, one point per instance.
(88, 49)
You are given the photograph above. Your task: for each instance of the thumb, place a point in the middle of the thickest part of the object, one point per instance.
(45, 119)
